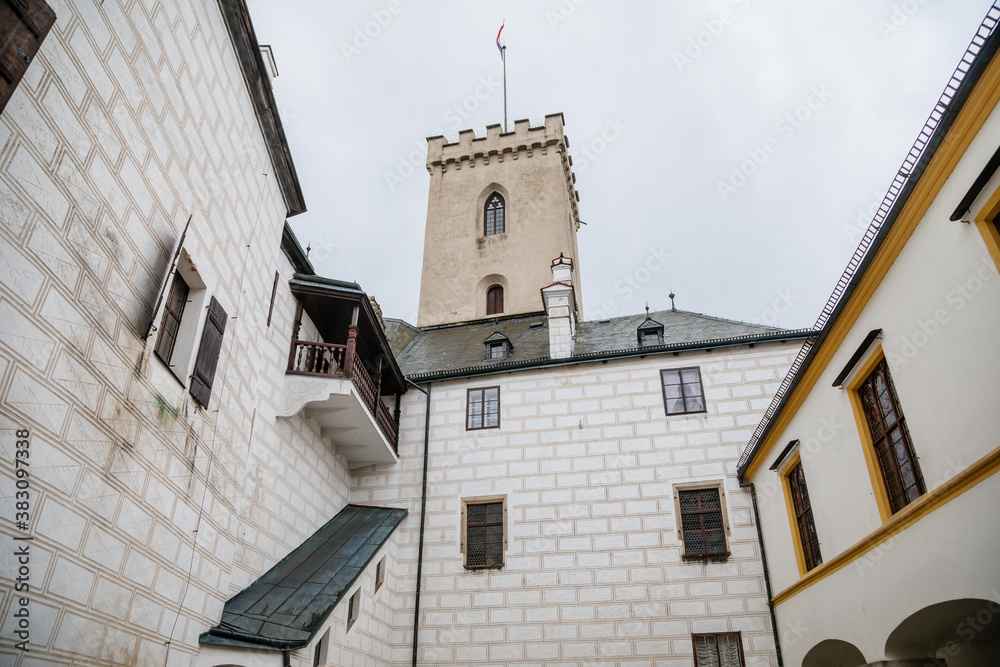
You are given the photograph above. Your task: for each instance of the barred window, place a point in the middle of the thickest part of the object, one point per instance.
(718, 650)
(483, 408)
(891, 438)
(702, 525)
(682, 390)
(494, 215)
(805, 523)
(484, 535)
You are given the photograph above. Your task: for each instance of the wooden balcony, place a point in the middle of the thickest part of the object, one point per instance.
(331, 360)
(348, 382)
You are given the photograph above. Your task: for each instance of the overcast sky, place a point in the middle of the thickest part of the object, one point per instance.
(665, 103)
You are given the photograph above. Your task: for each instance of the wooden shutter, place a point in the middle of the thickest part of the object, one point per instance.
(23, 26)
(173, 311)
(208, 353)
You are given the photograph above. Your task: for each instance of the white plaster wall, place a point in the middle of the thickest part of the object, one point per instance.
(939, 309)
(587, 459)
(147, 512)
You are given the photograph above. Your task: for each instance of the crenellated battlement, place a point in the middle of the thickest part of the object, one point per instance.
(523, 141)
(523, 138)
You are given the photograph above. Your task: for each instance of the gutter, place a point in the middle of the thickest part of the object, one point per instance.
(546, 362)
(423, 517)
(767, 576)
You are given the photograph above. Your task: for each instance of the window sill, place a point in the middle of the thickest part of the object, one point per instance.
(170, 370)
(484, 567)
(481, 428)
(711, 558)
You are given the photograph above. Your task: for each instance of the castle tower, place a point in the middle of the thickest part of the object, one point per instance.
(500, 208)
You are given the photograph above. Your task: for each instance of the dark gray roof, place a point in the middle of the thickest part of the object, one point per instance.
(460, 347)
(292, 600)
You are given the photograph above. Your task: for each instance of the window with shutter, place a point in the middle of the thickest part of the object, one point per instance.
(23, 26)
(173, 311)
(208, 353)
(494, 300)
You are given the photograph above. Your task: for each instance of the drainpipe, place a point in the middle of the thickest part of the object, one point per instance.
(767, 577)
(423, 515)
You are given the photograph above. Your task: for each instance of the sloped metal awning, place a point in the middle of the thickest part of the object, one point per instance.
(287, 606)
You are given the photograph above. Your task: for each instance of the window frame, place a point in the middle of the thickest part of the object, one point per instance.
(164, 351)
(380, 574)
(719, 487)
(36, 19)
(494, 291)
(468, 408)
(701, 385)
(464, 531)
(868, 444)
(988, 225)
(274, 293)
(503, 215)
(715, 635)
(806, 562)
(353, 609)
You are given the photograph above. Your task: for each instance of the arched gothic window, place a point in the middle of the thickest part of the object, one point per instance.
(494, 214)
(494, 300)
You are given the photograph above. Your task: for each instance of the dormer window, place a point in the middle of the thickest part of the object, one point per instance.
(494, 215)
(650, 332)
(498, 346)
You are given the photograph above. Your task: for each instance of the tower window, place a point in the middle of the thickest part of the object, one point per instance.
(494, 300)
(494, 215)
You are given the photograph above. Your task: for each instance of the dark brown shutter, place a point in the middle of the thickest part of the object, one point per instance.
(208, 353)
(494, 300)
(23, 26)
(173, 311)
(274, 292)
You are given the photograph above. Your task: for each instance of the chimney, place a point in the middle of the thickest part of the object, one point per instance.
(560, 306)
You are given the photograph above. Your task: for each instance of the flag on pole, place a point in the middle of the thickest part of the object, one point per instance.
(501, 48)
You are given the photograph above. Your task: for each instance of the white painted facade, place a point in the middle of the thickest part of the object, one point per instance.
(938, 307)
(147, 511)
(587, 463)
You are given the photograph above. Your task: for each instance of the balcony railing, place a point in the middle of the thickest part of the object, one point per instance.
(330, 360)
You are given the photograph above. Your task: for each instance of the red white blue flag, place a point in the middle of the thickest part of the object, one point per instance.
(501, 48)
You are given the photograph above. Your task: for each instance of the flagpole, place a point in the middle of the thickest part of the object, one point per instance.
(504, 58)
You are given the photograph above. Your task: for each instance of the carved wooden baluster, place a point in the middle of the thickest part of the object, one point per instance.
(296, 325)
(352, 343)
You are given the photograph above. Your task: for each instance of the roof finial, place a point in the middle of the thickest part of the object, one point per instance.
(671, 295)
(647, 310)
(308, 248)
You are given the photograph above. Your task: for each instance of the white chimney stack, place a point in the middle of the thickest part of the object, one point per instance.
(560, 306)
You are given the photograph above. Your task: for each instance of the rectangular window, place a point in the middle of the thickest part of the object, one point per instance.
(483, 408)
(23, 26)
(208, 353)
(353, 609)
(173, 311)
(484, 534)
(320, 655)
(701, 518)
(890, 438)
(274, 292)
(380, 574)
(718, 650)
(804, 522)
(682, 390)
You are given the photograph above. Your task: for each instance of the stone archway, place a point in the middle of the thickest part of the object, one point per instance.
(833, 653)
(957, 633)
